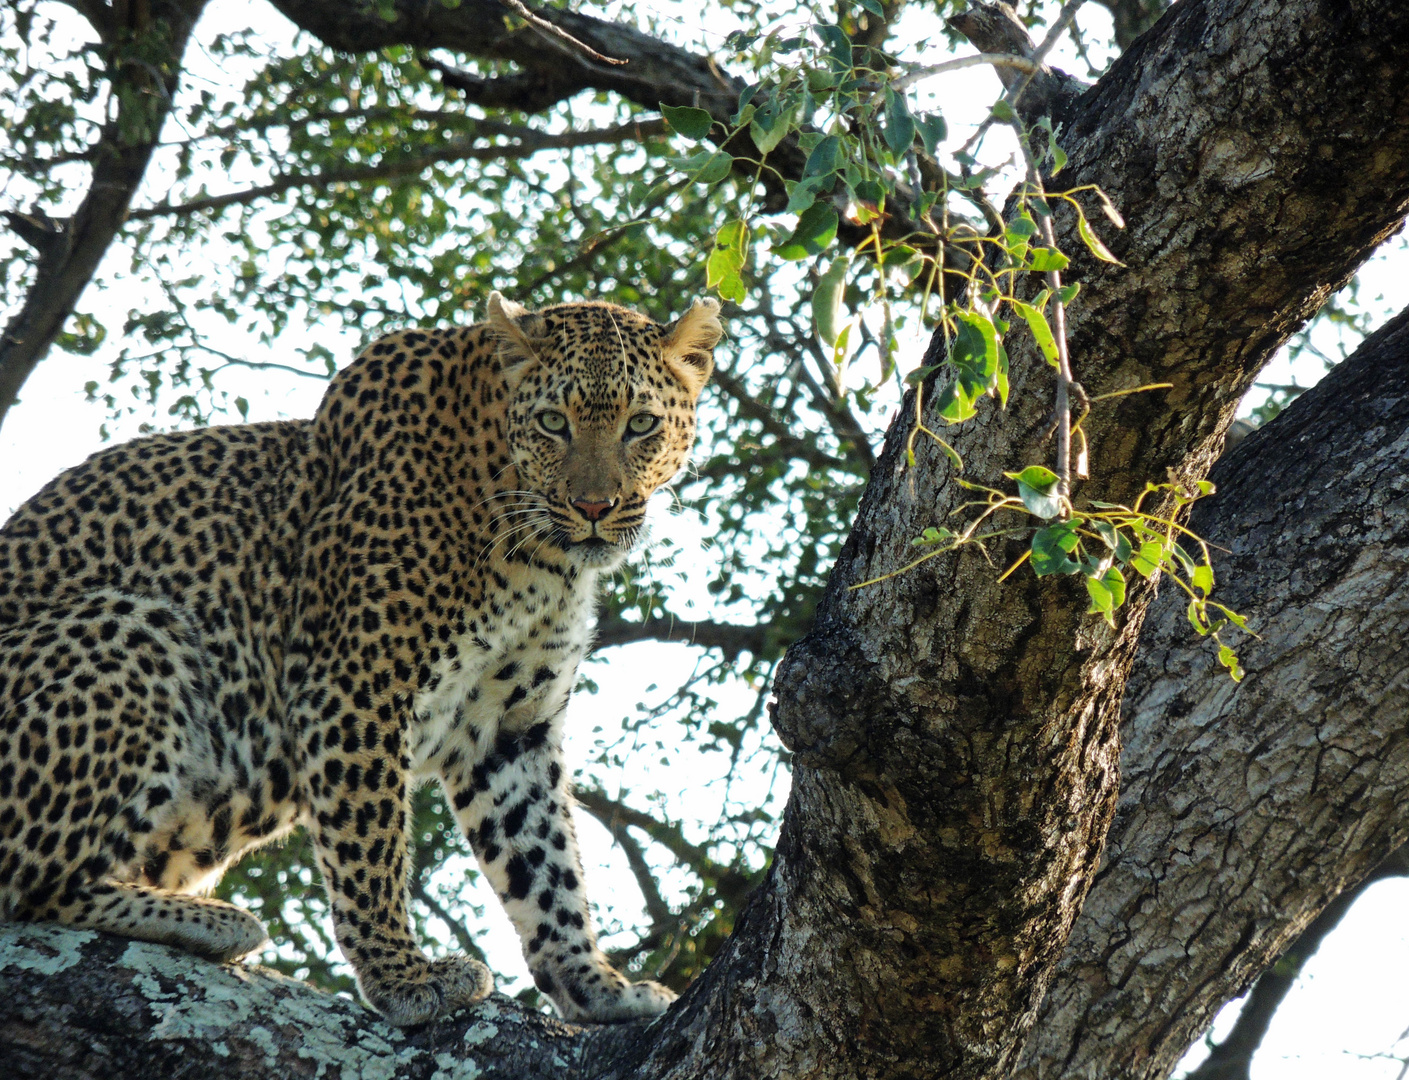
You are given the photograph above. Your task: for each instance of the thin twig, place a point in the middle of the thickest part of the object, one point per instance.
(1022, 63)
(457, 150)
(550, 31)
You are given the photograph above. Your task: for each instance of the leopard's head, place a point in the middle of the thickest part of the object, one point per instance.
(601, 413)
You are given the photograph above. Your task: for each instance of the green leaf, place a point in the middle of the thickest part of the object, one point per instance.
(1147, 562)
(1202, 579)
(1229, 659)
(1198, 618)
(741, 116)
(1093, 242)
(1037, 487)
(690, 122)
(874, 7)
(243, 408)
(715, 169)
(932, 536)
(1182, 558)
(837, 43)
(722, 272)
(955, 405)
(816, 229)
(973, 354)
(1051, 549)
(827, 300)
(1114, 580)
(900, 125)
(1102, 602)
(769, 126)
(1022, 227)
(1041, 331)
(805, 193)
(724, 269)
(733, 234)
(1067, 293)
(933, 130)
(1107, 592)
(1003, 110)
(823, 159)
(1045, 258)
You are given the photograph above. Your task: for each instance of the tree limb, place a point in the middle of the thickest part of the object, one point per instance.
(530, 143)
(1244, 811)
(68, 259)
(1231, 1059)
(729, 638)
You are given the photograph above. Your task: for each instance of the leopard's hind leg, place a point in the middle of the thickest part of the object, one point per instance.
(105, 748)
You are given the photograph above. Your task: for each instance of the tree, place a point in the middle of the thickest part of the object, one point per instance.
(954, 734)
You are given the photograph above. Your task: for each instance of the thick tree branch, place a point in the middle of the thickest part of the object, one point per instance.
(144, 72)
(955, 736)
(961, 732)
(655, 73)
(1232, 1058)
(1244, 810)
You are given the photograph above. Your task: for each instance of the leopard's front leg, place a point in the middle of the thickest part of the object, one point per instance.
(515, 808)
(356, 776)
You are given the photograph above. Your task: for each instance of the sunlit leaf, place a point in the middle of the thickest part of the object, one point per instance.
(688, 121)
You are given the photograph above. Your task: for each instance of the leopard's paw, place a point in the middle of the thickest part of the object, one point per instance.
(618, 1001)
(433, 989)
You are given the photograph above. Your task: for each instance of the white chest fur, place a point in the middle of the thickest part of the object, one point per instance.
(515, 664)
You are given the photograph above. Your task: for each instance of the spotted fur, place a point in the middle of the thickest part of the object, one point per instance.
(210, 637)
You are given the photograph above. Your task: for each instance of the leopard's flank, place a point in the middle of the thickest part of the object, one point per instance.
(211, 637)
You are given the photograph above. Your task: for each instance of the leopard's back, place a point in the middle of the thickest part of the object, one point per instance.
(143, 601)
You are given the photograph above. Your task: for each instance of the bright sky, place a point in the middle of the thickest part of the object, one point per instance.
(1351, 1002)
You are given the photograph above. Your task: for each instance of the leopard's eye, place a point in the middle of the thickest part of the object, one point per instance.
(555, 423)
(642, 424)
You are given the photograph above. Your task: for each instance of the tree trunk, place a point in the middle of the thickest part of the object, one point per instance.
(955, 737)
(1244, 811)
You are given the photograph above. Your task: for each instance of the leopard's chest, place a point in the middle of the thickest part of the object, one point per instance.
(514, 665)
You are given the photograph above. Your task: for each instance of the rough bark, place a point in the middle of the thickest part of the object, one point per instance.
(144, 44)
(1232, 1058)
(1244, 810)
(954, 736)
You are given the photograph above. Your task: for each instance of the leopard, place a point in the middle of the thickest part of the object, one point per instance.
(210, 638)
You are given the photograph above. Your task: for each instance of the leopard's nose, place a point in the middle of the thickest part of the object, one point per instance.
(592, 511)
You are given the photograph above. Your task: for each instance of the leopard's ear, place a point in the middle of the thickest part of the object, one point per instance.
(521, 332)
(689, 344)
